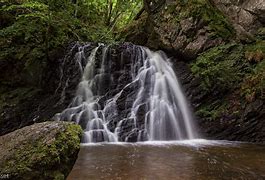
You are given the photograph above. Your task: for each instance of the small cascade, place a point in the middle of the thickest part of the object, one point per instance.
(128, 93)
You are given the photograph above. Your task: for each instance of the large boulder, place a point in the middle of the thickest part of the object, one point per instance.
(41, 151)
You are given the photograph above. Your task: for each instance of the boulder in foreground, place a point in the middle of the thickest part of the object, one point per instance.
(41, 151)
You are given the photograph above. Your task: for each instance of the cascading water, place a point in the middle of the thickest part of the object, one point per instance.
(128, 94)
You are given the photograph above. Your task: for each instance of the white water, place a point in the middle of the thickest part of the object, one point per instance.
(167, 114)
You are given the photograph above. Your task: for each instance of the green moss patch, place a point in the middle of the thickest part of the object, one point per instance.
(233, 75)
(220, 67)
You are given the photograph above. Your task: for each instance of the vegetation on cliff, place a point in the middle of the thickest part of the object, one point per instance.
(32, 31)
(185, 27)
(233, 80)
(231, 69)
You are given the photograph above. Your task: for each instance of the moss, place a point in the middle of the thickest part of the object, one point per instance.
(261, 33)
(220, 67)
(212, 111)
(253, 86)
(40, 159)
(258, 45)
(229, 73)
(225, 66)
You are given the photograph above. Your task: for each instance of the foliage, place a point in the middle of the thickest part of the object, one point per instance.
(253, 86)
(114, 13)
(220, 67)
(31, 30)
(34, 29)
(224, 67)
(237, 71)
(213, 111)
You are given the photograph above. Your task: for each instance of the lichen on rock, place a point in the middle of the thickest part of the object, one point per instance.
(41, 151)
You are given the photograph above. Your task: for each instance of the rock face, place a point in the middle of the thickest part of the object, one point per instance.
(185, 28)
(247, 16)
(41, 151)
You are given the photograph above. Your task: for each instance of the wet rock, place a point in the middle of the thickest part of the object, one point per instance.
(41, 151)
(132, 136)
(253, 109)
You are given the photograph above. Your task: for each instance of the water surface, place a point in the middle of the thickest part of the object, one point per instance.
(193, 159)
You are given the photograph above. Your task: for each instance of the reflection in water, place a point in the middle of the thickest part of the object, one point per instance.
(171, 160)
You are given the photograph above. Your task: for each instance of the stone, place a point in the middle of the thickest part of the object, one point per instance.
(246, 15)
(41, 151)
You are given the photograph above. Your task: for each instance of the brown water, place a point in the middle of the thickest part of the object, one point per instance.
(193, 160)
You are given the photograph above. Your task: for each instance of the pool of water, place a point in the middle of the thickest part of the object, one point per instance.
(192, 159)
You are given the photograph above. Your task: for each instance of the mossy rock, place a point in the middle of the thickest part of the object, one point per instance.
(233, 78)
(41, 151)
(185, 28)
(224, 67)
(220, 67)
(230, 70)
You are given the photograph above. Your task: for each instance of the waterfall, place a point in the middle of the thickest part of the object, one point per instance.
(128, 94)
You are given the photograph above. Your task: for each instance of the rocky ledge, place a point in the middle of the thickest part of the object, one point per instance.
(41, 151)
